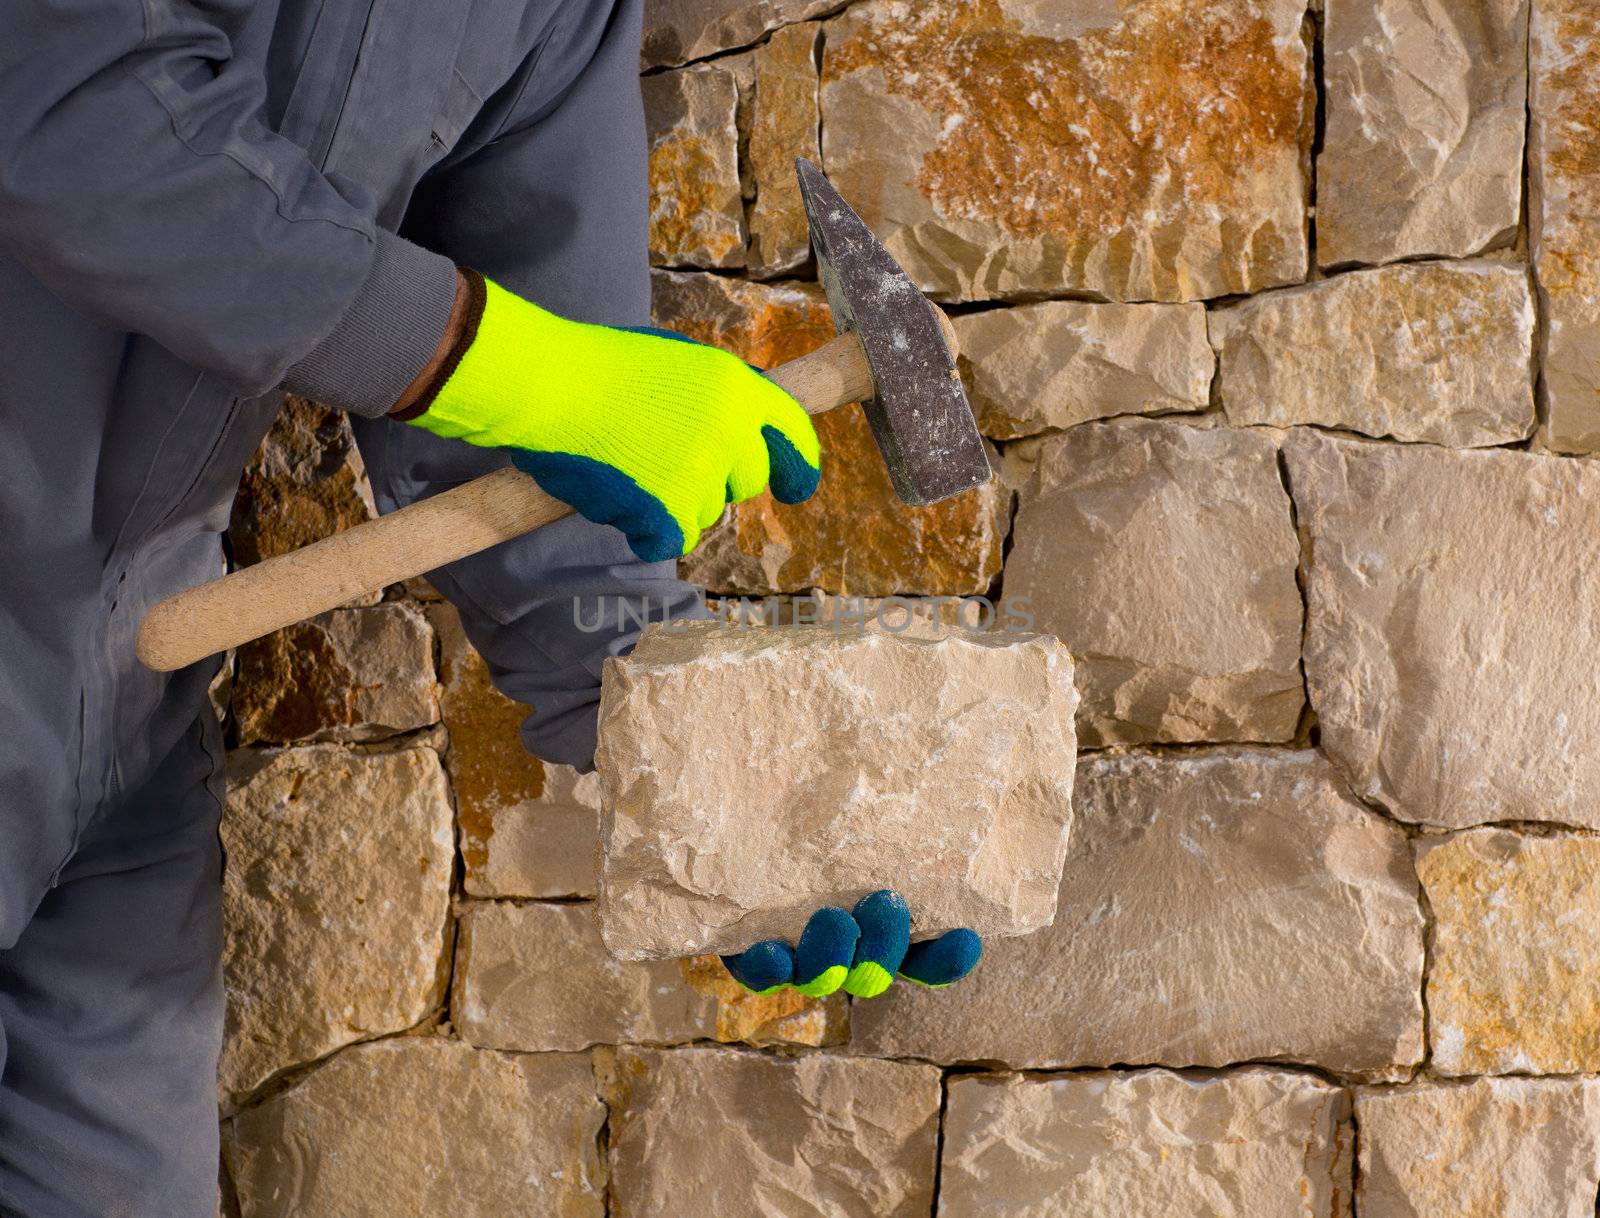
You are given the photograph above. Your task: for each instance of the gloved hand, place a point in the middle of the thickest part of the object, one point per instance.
(641, 429)
(862, 951)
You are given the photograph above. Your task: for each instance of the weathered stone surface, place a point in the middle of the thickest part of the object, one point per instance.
(941, 768)
(1441, 352)
(1564, 214)
(1152, 149)
(1448, 598)
(422, 1126)
(784, 1017)
(1164, 557)
(1426, 104)
(533, 977)
(854, 535)
(1251, 1144)
(352, 674)
(696, 209)
(676, 31)
(1490, 1148)
(1216, 907)
(335, 898)
(528, 828)
(305, 482)
(783, 125)
(1064, 362)
(1515, 979)
(717, 1131)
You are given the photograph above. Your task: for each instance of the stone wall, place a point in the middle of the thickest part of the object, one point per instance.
(1283, 323)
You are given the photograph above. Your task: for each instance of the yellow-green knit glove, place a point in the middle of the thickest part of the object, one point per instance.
(640, 429)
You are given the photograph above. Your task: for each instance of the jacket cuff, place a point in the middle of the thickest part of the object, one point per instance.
(387, 335)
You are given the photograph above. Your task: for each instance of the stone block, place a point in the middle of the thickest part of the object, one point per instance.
(1063, 362)
(676, 31)
(1246, 1144)
(1440, 352)
(783, 124)
(1164, 556)
(1564, 215)
(751, 775)
(1148, 150)
(422, 1125)
(718, 1131)
(335, 899)
(784, 1017)
(528, 828)
(348, 675)
(1216, 907)
(1447, 600)
(696, 207)
(1514, 984)
(1488, 1148)
(1426, 105)
(855, 535)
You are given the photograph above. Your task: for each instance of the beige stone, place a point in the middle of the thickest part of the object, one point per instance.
(1248, 1144)
(1441, 352)
(1448, 603)
(1514, 984)
(1153, 149)
(348, 675)
(1216, 907)
(1489, 1148)
(783, 123)
(696, 208)
(855, 535)
(940, 768)
(718, 1131)
(335, 899)
(424, 1126)
(1064, 362)
(1564, 215)
(676, 31)
(528, 828)
(1164, 557)
(1426, 105)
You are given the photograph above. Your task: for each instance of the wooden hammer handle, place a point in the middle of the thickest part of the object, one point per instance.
(417, 538)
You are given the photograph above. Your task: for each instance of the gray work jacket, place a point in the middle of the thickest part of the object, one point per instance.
(205, 201)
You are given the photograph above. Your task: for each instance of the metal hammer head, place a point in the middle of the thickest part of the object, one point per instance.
(919, 415)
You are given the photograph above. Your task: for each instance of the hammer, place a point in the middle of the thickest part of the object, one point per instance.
(894, 352)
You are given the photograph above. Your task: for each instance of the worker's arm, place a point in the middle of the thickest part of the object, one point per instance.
(140, 182)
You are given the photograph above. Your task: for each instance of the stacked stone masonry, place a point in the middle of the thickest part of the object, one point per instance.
(1283, 320)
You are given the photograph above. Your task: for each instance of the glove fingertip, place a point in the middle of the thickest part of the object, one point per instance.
(794, 479)
(940, 962)
(764, 967)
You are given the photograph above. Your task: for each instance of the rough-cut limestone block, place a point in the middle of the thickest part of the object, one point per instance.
(1440, 351)
(528, 828)
(352, 674)
(1426, 105)
(783, 1017)
(421, 1125)
(1489, 1148)
(1449, 606)
(1216, 907)
(855, 535)
(1064, 362)
(1248, 1144)
(1514, 985)
(1151, 149)
(335, 899)
(696, 209)
(718, 1131)
(305, 482)
(1164, 557)
(676, 31)
(1564, 215)
(783, 124)
(752, 775)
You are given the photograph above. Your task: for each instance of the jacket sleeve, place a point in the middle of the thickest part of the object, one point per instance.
(554, 208)
(140, 182)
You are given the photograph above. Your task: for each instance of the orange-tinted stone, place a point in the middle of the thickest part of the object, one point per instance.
(786, 1017)
(696, 207)
(855, 536)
